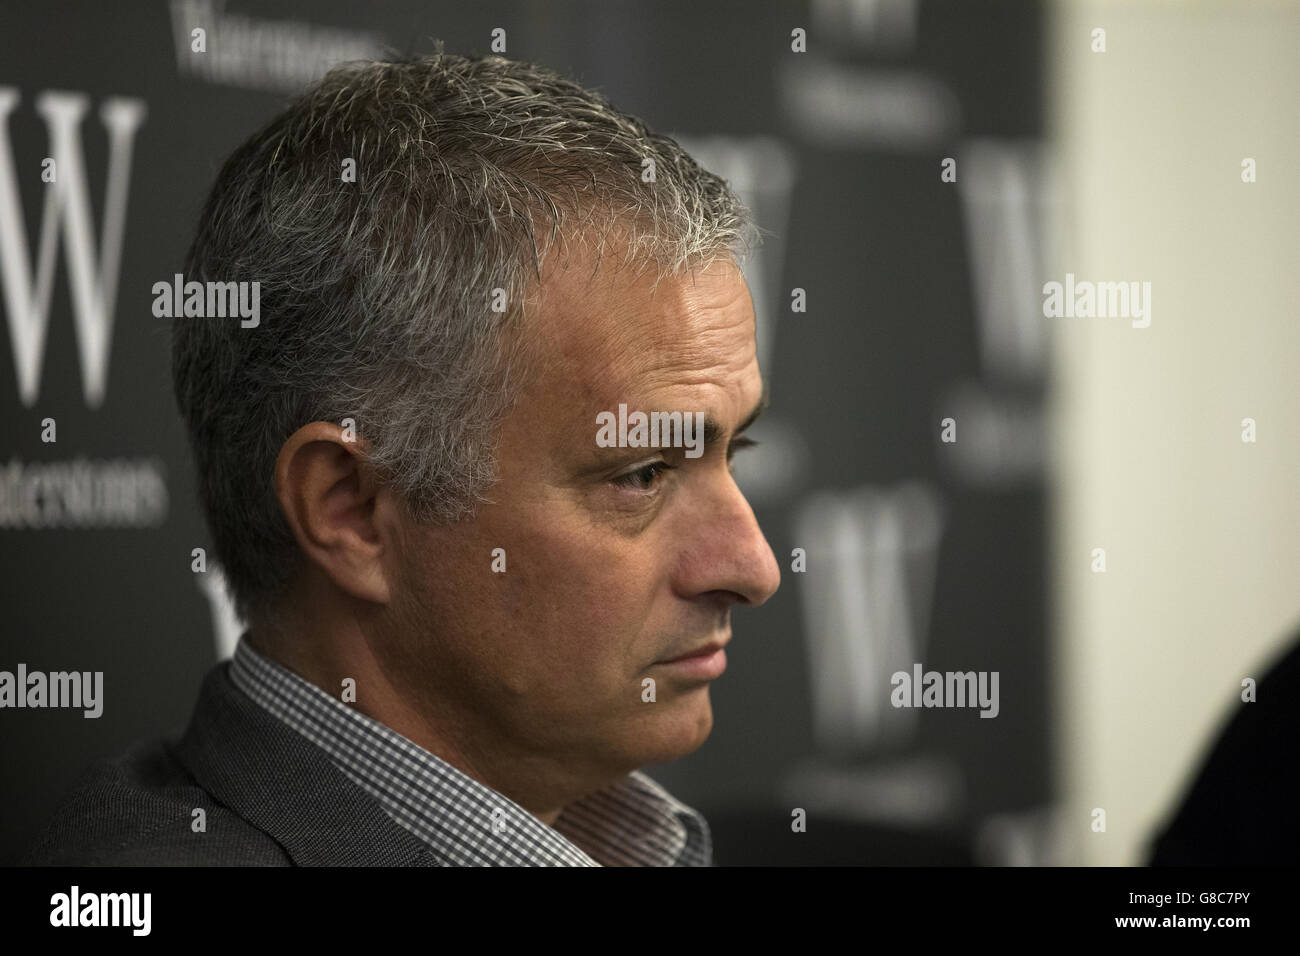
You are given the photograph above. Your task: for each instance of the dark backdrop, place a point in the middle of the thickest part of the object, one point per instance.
(917, 550)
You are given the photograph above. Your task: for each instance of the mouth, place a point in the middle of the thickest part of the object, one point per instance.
(703, 663)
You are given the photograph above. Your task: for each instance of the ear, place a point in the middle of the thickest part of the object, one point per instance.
(341, 515)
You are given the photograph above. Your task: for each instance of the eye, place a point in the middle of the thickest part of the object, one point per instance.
(644, 478)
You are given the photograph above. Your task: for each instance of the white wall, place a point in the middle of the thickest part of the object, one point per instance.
(1201, 531)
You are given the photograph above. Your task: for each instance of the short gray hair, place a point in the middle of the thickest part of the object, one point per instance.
(376, 295)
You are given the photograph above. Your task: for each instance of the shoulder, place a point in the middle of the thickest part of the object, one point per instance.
(143, 808)
(1239, 807)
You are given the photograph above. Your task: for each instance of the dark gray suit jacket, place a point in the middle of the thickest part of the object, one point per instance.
(271, 797)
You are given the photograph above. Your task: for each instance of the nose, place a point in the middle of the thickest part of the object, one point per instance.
(726, 551)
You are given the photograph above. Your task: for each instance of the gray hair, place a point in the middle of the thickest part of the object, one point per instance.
(376, 295)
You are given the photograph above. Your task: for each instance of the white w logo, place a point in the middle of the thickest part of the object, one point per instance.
(867, 608)
(93, 278)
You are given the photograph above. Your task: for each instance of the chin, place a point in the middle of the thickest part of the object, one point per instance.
(680, 730)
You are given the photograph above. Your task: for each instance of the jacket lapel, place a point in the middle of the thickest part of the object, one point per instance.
(286, 786)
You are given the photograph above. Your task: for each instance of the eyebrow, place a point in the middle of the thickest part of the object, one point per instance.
(713, 430)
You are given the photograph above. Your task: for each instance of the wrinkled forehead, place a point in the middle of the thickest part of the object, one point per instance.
(617, 326)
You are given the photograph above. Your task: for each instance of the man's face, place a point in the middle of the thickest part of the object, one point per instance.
(617, 559)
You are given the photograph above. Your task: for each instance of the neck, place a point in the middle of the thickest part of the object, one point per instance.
(327, 662)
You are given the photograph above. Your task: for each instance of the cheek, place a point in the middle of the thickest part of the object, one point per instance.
(581, 606)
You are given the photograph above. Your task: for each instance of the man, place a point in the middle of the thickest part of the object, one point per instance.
(475, 607)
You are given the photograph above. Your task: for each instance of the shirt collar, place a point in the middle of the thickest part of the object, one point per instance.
(633, 822)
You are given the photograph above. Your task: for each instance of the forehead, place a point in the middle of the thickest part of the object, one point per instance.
(613, 326)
